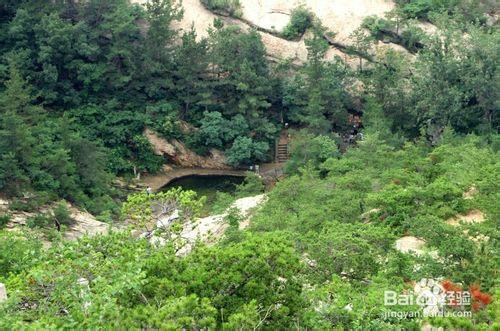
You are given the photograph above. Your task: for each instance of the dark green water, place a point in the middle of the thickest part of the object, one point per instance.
(207, 186)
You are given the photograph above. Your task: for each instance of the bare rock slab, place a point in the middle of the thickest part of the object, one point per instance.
(3, 292)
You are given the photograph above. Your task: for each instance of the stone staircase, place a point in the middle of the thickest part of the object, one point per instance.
(281, 153)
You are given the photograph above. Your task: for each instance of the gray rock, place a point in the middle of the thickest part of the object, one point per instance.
(164, 223)
(3, 292)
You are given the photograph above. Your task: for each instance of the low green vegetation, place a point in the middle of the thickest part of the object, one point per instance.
(301, 19)
(396, 30)
(59, 216)
(426, 9)
(332, 223)
(229, 7)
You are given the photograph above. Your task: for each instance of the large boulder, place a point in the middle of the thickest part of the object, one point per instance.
(84, 224)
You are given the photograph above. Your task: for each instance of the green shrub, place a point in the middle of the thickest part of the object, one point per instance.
(164, 119)
(98, 206)
(222, 201)
(252, 185)
(52, 234)
(38, 221)
(244, 151)
(420, 9)
(230, 7)
(4, 219)
(216, 131)
(300, 20)
(17, 252)
(377, 26)
(411, 37)
(20, 205)
(196, 143)
(309, 149)
(30, 204)
(233, 218)
(61, 214)
(106, 217)
(146, 159)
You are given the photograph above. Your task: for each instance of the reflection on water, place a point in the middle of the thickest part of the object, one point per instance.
(207, 186)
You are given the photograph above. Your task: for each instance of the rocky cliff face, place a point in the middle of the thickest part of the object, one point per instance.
(270, 16)
(180, 155)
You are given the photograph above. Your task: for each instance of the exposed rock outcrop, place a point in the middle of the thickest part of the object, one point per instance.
(409, 244)
(178, 154)
(414, 245)
(339, 16)
(210, 229)
(473, 216)
(83, 223)
(4, 204)
(3, 292)
(470, 193)
(271, 16)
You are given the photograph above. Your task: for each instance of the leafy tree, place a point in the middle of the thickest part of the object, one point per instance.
(191, 60)
(316, 96)
(158, 54)
(244, 150)
(239, 61)
(17, 143)
(459, 105)
(252, 185)
(146, 159)
(312, 150)
(62, 214)
(361, 45)
(212, 129)
(441, 69)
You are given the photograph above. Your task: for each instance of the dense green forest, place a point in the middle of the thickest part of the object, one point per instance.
(81, 80)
